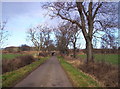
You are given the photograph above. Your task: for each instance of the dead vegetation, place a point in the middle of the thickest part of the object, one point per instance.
(13, 64)
(107, 74)
(20, 61)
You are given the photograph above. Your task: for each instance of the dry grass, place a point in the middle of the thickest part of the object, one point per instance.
(13, 64)
(77, 77)
(107, 74)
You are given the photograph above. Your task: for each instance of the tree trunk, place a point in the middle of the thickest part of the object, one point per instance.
(89, 51)
(74, 50)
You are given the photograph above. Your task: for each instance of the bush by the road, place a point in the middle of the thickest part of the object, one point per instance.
(104, 68)
(18, 62)
(105, 73)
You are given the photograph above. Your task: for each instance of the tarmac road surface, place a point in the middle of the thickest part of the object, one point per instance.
(49, 74)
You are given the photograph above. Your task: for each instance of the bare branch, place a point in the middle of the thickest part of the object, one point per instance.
(99, 5)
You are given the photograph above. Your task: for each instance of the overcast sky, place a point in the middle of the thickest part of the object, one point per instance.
(21, 16)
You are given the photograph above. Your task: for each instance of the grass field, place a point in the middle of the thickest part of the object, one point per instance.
(78, 78)
(10, 56)
(109, 58)
(10, 78)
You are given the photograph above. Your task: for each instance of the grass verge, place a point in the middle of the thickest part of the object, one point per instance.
(9, 79)
(77, 77)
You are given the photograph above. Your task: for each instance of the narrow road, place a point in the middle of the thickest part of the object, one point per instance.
(49, 74)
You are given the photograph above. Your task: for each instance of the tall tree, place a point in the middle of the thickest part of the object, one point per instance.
(39, 36)
(75, 31)
(92, 17)
(47, 41)
(63, 35)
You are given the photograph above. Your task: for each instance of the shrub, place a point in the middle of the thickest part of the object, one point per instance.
(13, 64)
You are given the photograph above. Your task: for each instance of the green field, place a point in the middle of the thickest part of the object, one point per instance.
(77, 77)
(109, 58)
(10, 56)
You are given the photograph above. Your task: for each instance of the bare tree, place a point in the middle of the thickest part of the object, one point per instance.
(67, 33)
(3, 34)
(63, 35)
(39, 36)
(47, 41)
(51, 46)
(91, 18)
(109, 40)
(75, 31)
